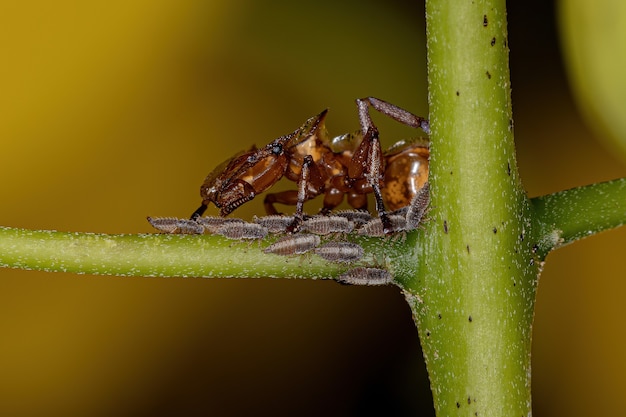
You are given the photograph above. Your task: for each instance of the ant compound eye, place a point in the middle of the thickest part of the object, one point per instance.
(277, 149)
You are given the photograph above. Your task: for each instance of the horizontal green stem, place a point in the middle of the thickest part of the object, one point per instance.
(147, 255)
(165, 255)
(566, 216)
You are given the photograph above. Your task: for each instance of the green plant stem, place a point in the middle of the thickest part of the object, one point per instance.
(564, 217)
(150, 255)
(163, 255)
(473, 296)
(470, 275)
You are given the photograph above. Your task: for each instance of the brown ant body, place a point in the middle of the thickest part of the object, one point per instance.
(353, 165)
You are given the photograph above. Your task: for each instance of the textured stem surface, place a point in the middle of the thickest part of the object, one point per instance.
(570, 215)
(473, 294)
(150, 255)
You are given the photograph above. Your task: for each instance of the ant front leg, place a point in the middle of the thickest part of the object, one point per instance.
(199, 212)
(310, 184)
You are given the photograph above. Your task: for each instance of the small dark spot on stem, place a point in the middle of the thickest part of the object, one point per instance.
(469, 400)
(458, 405)
(468, 249)
(439, 316)
(495, 230)
(457, 93)
(535, 248)
(532, 261)
(521, 237)
(485, 21)
(445, 226)
(488, 74)
(493, 41)
(427, 334)
(508, 168)
(470, 320)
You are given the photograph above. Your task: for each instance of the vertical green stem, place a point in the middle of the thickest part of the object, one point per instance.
(474, 292)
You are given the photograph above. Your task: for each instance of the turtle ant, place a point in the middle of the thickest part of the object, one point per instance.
(353, 165)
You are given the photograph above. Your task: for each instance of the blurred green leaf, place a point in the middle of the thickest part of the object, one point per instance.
(594, 40)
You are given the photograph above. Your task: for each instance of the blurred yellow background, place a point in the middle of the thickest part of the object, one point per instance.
(112, 112)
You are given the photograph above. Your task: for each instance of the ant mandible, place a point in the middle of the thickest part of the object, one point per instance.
(353, 165)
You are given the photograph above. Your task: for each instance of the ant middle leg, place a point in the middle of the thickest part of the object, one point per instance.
(310, 184)
(289, 198)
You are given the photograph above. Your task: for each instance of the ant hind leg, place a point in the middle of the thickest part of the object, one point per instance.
(368, 163)
(396, 113)
(368, 160)
(303, 184)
